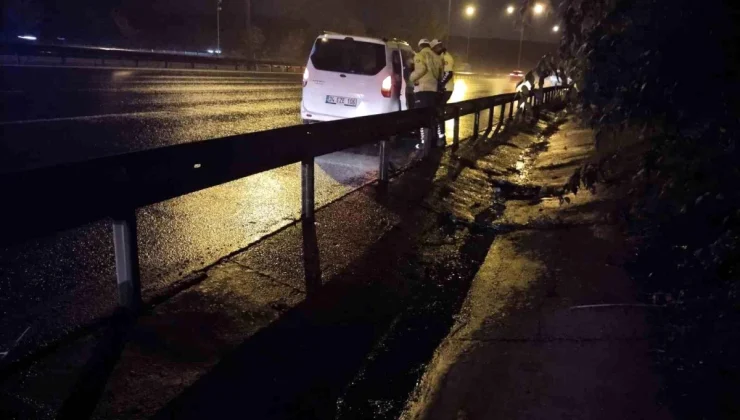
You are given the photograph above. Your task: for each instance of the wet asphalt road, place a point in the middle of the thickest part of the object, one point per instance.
(52, 115)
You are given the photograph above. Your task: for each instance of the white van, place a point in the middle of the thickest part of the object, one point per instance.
(352, 76)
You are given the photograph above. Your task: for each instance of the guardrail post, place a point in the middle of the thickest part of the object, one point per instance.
(456, 132)
(476, 124)
(383, 170)
(490, 122)
(126, 249)
(502, 116)
(511, 110)
(307, 189)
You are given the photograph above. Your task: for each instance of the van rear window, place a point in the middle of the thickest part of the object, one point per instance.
(348, 56)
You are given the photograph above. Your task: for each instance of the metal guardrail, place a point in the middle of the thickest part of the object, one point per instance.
(51, 199)
(64, 53)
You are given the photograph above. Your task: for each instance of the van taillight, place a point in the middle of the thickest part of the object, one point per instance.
(305, 77)
(387, 88)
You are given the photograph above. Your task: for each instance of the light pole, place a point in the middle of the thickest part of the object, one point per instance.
(218, 26)
(521, 41)
(248, 6)
(538, 9)
(449, 21)
(469, 12)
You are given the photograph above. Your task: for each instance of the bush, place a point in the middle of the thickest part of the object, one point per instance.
(667, 68)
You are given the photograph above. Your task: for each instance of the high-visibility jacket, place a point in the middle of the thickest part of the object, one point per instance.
(449, 67)
(524, 86)
(427, 71)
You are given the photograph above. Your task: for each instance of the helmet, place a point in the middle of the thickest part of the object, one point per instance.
(435, 42)
(423, 41)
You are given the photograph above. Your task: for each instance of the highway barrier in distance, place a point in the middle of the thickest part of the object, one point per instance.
(27, 53)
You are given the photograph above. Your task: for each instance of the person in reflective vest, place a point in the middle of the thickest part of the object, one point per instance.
(524, 90)
(447, 82)
(425, 78)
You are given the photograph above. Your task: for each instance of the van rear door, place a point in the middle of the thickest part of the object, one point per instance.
(407, 61)
(399, 84)
(344, 77)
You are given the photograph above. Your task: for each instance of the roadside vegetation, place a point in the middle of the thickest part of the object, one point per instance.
(662, 74)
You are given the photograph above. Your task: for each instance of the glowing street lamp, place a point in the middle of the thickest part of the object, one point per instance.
(538, 9)
(469, 13)
(556, 28)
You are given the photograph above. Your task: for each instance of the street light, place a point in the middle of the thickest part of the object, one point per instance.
(469, 12)
(556, 28)
(218, 26)
(449, 21)
(538, 9)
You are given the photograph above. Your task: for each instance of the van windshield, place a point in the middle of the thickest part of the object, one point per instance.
(348, 56)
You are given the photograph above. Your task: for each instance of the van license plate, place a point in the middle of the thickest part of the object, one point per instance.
(340, 100)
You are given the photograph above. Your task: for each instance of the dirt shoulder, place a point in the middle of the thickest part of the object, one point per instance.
(551, 326)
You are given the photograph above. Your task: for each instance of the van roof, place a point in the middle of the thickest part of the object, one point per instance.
(382, 41)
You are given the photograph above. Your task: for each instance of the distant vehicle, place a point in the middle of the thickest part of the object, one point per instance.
(351, 76)
(516, 75)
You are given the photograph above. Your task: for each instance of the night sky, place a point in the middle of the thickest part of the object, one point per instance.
(491, 20)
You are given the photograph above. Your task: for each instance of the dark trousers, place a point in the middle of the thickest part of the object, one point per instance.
(444, 97)
(424, 100)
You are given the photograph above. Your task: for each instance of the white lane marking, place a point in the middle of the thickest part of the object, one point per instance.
(193, 88)
(197, 111)
(81, 117)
